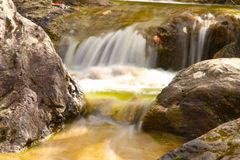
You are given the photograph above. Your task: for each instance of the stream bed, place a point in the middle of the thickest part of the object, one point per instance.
(98, 138)
(109, 50)
(112, 127)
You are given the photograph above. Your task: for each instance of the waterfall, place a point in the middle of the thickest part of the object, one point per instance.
(115, 74)
(122, 93)
(199, 45)
(194, 44)
(123, 47)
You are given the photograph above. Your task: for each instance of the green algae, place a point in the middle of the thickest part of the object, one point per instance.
(108, 94)
(179, 158)
(82, 141)
(122, 95)
(212, 138)
(86, 21)
(222, 132)
(175, 4)
(75, 142)
(164, 137)
(94, 21)
(122, 106)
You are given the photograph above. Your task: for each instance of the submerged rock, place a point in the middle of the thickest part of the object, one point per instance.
(198, 99)
(37, 95)
(221, 143)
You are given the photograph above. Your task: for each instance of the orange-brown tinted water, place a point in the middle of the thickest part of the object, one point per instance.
(111, 132)
(98, 138)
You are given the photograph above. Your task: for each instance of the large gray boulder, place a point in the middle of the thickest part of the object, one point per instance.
(198, 99)
(36, 93)
(221, 143)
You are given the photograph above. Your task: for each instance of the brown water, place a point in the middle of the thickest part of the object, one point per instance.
(104, 136)
(99, 138)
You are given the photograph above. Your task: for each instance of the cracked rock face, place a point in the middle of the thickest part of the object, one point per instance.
(36, 94)
(198, 99)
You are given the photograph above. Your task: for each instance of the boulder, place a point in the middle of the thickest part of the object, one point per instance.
(182, 34)
(37, 95)
(228, 2)
(45, 12)
(198, 99)
(88, 2)
(221, 143)
(230, 51)
(54, 18)
(41, 12)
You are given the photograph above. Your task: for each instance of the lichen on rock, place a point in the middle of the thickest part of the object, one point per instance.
(221, 143)
(192, 106)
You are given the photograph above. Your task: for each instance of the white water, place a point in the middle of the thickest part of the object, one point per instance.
(123, 47)
(129, 47)
(116, 63)
(123, 78)
(122, 93)
(196, 45)
(200, 46)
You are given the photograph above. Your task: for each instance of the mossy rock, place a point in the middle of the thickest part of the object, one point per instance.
(199, 98)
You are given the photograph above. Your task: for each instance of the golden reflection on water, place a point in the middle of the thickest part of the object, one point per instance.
(105, 134)
(99, 139)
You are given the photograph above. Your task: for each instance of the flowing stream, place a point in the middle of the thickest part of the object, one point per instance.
(118, 97)
(194, 44)
(128, 47)
(99, 138)
(121, 47)
(116, 71)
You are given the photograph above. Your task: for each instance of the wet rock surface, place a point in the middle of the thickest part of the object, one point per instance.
(230, 51)
(198, 99)
(88, 2)
(37, 95)
(227, 2)
(189, 37)
(44, 13)
(80, 19)
(221, 143)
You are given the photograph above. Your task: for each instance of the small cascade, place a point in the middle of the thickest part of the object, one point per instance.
(194, 44)
(122, 93)
(199, 46)
(123, 47)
